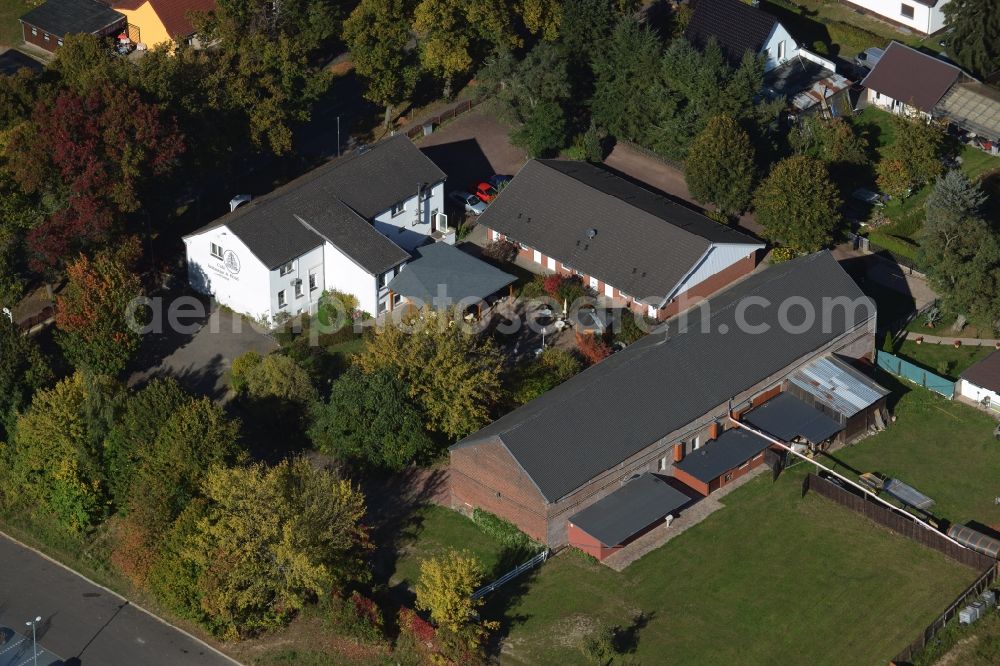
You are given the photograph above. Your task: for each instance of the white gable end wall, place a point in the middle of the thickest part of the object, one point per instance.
(311, 261)
(779, 48)
(924, 19)
(239, 280)
(342, 274)
(717, 259)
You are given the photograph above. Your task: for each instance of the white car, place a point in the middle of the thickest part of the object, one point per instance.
(471, 202)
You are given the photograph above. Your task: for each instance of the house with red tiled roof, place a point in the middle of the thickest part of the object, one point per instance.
(153, 22)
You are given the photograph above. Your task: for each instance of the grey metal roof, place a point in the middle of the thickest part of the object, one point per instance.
(736, 26)
(786, 417)
(630, 509)
(457, 274)
(838, 386)
(337, 200)
(69, 17)
(974, 107)
(728, 451)
(605, 226)
(595, 420)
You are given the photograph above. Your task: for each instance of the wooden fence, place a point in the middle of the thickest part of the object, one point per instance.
(900, 524)
(458, 109)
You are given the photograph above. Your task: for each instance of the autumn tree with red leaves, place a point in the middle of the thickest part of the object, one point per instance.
(92, 312)
(591, 348)
(91, 155)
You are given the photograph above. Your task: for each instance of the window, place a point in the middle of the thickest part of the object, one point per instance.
(216, 251)
(381, 280)
(59, 42)
(906, 11)
(46, 36)
(696, 443)
(312, 282)
(425, 194)
(781, 50)
(397, 209)
(34, 31)
(281, 299)
(287, 268)
(298, 289)
(728, 477)
(662, 464)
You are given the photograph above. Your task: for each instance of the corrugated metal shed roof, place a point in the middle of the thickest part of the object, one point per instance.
(838, 385)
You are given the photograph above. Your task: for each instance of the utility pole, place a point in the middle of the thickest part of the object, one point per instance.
(34, 638)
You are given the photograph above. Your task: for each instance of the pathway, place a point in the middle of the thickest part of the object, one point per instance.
(938, 340)
(688, 518)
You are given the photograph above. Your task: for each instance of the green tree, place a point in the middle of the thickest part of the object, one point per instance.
(143, 416)
(18, 215)
(893, 177)
(798, 205)
(269, 539)
(445, 589)
(53, 465)
(836, 141)
(378, 32)
(544, 130)
(719, 168)
(272, 378)
(370, 418)
(625, 80)
(452, 374)
(95, 318)
(974, 34)
(23, 371)
(552, 367)
(960, 251)
(918, 147)
(541, 17)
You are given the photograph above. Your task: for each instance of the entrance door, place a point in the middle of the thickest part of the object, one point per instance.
(434, 220)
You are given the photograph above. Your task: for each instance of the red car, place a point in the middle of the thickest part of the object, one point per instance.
(485, 192)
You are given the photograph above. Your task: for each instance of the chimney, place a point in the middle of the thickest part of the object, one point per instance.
(678, 452)
(713, 431)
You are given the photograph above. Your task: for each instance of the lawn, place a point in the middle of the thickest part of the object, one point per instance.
(944, 360)
(439, 529)
(944, 449)
(772, 578)
(10, 29)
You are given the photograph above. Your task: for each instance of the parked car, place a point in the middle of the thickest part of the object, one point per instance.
(485, 192)
(470, 202)
(499, 181)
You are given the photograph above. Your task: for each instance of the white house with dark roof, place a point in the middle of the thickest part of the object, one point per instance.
(739, 28)
(349, 225)
(924, 16)
(628, 244)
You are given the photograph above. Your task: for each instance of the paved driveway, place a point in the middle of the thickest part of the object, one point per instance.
(86, 624)
(473, 146)
(199, 353)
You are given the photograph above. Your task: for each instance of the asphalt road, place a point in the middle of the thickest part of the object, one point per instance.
(85, 624)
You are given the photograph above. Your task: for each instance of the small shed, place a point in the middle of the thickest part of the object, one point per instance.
(842, 392)
(612, 522)
(46, 25)
(443, 275)
(980, 382)
(721, 461)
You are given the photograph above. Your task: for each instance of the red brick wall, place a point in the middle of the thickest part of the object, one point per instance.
(707, 287)
(579, 539)
(690, 481)
(485, 475)
(39, 39)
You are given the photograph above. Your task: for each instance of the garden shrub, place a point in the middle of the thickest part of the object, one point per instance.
(503, 531)
(591, 348)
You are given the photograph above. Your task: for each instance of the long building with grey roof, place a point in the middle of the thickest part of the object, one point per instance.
(626, 242)
(643, 409)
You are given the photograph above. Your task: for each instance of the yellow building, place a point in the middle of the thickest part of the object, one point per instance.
(153, 22)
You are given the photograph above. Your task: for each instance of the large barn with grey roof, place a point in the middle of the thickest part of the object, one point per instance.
(627, 243)
(662, 400)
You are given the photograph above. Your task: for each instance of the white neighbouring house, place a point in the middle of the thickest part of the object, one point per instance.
(737, 28)
(910, 83)
(981, 381)
(924, 16)
(349, 225)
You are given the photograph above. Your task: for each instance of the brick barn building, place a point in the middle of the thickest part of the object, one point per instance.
(649, 410)
(628, 244)
(47, 24)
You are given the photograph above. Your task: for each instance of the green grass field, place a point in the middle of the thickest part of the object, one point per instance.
(944, 360)
(944, 449)
(772, 578)
(10, 29)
